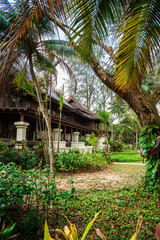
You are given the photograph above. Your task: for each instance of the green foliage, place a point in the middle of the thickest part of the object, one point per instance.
(127, 156)
(19, 187)
(147, 141)
(74, 160)
(121, 209)
(72, 233)
(116, 146)
(5, 232)
(25, 158)
(87, 142)
(127, 146)
(92, 141)
(30, 226)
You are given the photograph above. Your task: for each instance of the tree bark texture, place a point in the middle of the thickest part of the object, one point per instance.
(44, 112)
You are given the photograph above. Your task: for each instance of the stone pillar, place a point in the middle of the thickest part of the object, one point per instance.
(75, 137)
(56, 132)
(87, 136)
(21, 130)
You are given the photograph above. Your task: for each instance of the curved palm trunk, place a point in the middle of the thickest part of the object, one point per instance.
(143, 105)
(44, 112)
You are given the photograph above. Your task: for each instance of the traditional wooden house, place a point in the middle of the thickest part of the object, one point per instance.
(19, 112)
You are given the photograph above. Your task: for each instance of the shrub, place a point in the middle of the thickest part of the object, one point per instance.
(22, 187)
(74, 160)
(93, 141)
(25, 158)
(116, 146)
(19, 187)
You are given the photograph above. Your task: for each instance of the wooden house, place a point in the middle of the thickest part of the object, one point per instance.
(15, 107)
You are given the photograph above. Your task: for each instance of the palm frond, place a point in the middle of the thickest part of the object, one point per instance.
(61, 47)
(140, 42)
(89, 18)
(23, 22)
(4, 24)
(43, 63)
(19, 80)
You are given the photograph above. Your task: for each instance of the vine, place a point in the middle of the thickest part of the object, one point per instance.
(147, 141)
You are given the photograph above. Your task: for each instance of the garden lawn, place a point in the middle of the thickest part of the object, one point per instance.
(121, 210)
(126, 156)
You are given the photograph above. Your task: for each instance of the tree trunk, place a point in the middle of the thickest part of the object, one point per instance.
(136, 140)
(59, 130)
(133, 140)
(143, 105)
(45, 114)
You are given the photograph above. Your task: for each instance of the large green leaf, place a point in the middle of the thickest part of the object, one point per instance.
(89, 19)
(139, 41)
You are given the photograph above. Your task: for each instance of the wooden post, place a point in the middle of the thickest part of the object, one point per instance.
(64, 132)
(36, 137)
(80, 134)
(71, 133)
(21, 117)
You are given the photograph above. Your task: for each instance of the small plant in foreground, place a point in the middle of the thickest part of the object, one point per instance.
(72, 232)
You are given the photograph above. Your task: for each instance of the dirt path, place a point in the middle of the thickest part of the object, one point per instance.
(116, 176)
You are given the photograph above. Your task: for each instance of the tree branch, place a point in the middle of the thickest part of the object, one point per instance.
(107, 49)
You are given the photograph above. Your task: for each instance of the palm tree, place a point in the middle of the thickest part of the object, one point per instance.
(104, 118)
(131, 121)
(90, 21)
(30, 47)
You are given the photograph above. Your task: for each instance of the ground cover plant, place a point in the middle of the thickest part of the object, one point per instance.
(121, 208)
(126, 156)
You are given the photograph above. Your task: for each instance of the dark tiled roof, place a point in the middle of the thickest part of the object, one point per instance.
(80, 107)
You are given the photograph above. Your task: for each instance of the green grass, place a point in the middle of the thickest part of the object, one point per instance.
(121, 210)
(126, 156)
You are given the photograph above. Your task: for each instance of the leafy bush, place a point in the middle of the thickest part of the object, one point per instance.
(116, 146)
(19, 187)
(25, 158)
(147, 141)
(74, 160)
(87, 142)
(92, 141)
(127, 146)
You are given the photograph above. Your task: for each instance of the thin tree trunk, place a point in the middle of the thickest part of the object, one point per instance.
(136, 139)
(111, 117)
(133, 140)
(45, 114)
(59, 129)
